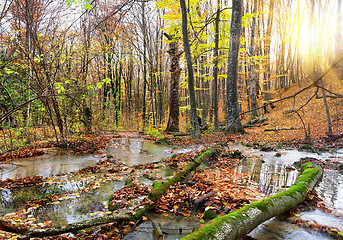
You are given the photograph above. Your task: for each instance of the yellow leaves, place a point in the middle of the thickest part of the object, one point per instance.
(100, 213)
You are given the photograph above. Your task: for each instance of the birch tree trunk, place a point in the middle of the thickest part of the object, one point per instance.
(252, 84)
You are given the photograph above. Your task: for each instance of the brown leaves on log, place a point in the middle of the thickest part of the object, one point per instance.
(124, 197)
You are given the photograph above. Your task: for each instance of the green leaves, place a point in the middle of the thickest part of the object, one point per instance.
(87, 6)
(105, 80)
(59, 87)
(70, 2)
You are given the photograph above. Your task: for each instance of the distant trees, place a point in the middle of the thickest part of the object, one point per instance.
(110, 66)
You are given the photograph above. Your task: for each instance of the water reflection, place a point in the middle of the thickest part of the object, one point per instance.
(331, 189)
(138, 151)
(79, 206)
(276, 228)
(271, 172)
(270, 178)
(46, 165)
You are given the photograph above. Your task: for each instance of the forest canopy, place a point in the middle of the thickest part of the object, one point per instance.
(74, 67)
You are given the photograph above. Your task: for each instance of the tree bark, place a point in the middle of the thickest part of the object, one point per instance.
(233, 121)
(195, 123)
(27, 234)
(239, 223)
(266, 83)
(252, 94)
(215, 69)
(326, 108)
(174, 112)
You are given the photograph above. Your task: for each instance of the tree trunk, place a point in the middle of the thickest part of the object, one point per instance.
(195, 123)
(174, 112)
(326, 108)
(233, 121)
(338, 39)
(266, 83)
(144, 68)
(253, 101)
(239, 223)
(215, 69)
(27, 234)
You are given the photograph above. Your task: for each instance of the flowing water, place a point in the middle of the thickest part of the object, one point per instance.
(73, 205)
(271, 171)
(274, 172)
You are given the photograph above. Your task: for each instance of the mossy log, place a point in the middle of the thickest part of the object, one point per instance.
(153, 196)
(239, 223)
(30, 233)
(181, 175)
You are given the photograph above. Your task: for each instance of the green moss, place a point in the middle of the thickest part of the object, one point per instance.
(156, 184)
(209, 215)
(300, 187)
(340, 167)
(180, 176)
(114, 207)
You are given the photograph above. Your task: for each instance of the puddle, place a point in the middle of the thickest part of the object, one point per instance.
(139, 151)
(78, 207)
(169, 224)
(331, 189)
(46, 165)
(269, 171)
(278, 229)
(272, 173)
(322, 218)
(270, 178)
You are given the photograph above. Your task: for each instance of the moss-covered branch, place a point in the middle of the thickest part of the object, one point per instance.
(241, 222)
(153, 196)
(178, 177)
(30, 233)
(181, 175)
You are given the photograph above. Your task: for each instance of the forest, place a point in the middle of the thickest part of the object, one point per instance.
(143, 108)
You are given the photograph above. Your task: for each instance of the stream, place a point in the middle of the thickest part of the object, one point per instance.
(271, 172)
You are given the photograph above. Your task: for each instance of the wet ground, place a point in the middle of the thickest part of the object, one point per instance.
(271, 172)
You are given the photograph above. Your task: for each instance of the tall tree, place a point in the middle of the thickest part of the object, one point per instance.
(233, 121)
(252, 64)
(215, 69)
(195, 123)
(173, 121)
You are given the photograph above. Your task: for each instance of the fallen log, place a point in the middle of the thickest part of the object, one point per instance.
(204, 197)
(180, 176)
(239, 223)
(72, 227)
(276, 129)
(139, 213)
